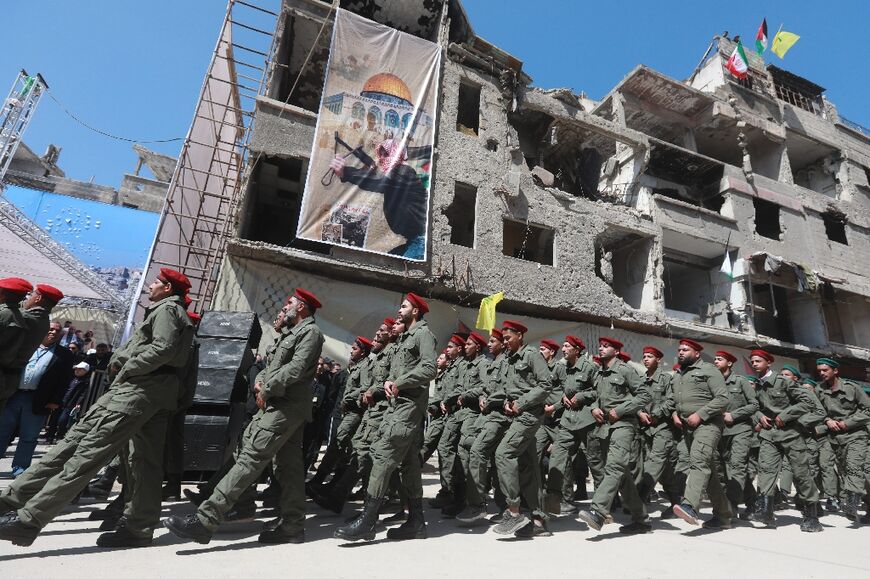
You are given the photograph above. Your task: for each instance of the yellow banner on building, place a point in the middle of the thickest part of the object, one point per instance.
(369, 175)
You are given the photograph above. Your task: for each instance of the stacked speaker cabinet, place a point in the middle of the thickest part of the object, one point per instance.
(213, 423)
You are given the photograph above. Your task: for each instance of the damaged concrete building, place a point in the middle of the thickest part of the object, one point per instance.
(608, 217)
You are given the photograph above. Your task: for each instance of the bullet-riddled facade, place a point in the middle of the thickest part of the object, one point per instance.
(733, 212)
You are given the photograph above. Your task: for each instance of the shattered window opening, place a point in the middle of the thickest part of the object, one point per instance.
(622, 262)
(461, 215)
(468, 109)
(528, 241)
(274, 201)
(835, 227)
(767, 219)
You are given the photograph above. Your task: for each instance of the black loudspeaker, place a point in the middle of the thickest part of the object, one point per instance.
(209, 441)
(223, 369)
(235, 325)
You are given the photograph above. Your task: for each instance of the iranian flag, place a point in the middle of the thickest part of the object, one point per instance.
(761, 37)
(738, 64)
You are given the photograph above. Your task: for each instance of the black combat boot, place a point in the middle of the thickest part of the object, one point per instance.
(102, 486)
(112, 511)
(414, 527)
(122, 538)
(764, 512)
(362, 528)
(188, 527)
(326, 466)
(18, 533)
(336, 498)
(851, 505)
(811, 523)
(646, 486)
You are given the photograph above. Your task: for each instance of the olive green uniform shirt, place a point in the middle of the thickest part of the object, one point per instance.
(700, 387)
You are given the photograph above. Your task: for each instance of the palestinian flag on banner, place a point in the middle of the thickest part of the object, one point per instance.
(738, 64)
(761, 37)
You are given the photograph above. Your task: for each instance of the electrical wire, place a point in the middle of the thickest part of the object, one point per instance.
(104, 133)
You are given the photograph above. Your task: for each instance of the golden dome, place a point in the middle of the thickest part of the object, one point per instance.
(387, 83)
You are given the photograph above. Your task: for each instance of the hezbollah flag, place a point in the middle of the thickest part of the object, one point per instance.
(761, 37)
(782, 42)
(738, 64)
(486, 315)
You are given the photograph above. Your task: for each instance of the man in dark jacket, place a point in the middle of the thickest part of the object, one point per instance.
(43, 384)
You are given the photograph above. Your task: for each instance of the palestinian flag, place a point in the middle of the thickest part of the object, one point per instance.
(738, 64)
(761, 37)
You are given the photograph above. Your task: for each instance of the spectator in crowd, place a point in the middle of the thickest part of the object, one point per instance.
(76, 351)
(100, 359)
(72, 401)
(88, 340)
(43, 383)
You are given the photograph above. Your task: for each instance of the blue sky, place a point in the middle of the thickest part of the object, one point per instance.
(135, 68)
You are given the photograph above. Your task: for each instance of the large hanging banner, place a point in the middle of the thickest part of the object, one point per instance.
(369, 176)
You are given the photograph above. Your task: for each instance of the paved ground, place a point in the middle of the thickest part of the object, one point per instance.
(66, 548)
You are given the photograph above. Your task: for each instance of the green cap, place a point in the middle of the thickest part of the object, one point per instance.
(809, 381)
(792, 369)
(827, 362)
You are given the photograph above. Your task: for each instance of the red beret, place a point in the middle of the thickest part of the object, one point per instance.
(16, 285)
(676, 367)
(306, 296)
(497, 333)
(596, 360)
(364, 343)
(727, 355)
(611, 342)
(692, 344)
(389, 321)
(623, 356)
(50, 292)
(576, 342)
(762, 354)
(480, 340)
(417, 302)
(444, 351)
(178, 280)
(550, 344)
(457, 339)
(654, 351)
(194, 317)
(187, 300)
(515, 326)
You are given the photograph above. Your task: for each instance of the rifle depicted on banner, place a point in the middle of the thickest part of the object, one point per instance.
(357, 152)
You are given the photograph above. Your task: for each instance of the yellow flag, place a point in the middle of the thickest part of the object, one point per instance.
(782, 42)
(486, 315)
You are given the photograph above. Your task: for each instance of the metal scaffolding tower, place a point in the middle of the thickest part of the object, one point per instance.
(16, 113)
(199, 215)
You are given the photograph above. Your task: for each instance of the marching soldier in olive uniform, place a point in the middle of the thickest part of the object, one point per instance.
(143, 395)
(472, 388)
(34, 314)
(400, 438)
(13, 330)
(284, 400)
(825, 468)
(492, 426)
(435, 427)
(661, 460)
(701, 399)
(448, 446)
(737, 438)
(621, 396)
(578, 393)
(847, 409)
(546, 434)
(527, 385)
(360, 464)
(781, 404)
(338, 453)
